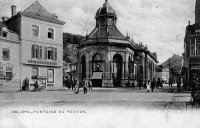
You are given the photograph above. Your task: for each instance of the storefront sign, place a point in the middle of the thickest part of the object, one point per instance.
(42, 62)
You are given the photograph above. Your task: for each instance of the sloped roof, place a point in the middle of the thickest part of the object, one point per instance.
(2, 24)
(109, 32)
(11, 35)
(37, 11)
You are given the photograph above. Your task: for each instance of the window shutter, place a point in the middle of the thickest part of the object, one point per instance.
(55, 53)
(8, 54)
(45, 51)
(32, 53)
(40, 51)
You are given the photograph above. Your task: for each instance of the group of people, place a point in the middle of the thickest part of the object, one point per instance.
(149, 85)
(76, 85)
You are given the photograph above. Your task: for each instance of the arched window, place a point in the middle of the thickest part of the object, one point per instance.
(97, 62)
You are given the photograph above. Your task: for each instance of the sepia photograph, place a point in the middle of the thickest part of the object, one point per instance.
(99, 63)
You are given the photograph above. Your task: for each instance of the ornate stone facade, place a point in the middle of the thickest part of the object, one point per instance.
(106, 47)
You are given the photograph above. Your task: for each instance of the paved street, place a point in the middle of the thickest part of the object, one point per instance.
(107, 107)
(160, 99)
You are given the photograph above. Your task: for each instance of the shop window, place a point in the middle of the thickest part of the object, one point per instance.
(9, 71)
(6, 54)
(50, 75)
(50, 33)
(35, 30)
(35, 71)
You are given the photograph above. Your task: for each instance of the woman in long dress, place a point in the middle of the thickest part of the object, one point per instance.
(148, 86)
(76, 86)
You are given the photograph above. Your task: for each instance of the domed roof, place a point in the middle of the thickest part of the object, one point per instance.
(106, 10)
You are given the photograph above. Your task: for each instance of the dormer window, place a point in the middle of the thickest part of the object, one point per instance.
(50, 33)
(4, 34)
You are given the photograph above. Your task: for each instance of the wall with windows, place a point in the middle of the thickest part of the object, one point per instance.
(45, 28)
(42, 48)
(45, 38)
(195, 46)
(9, 58)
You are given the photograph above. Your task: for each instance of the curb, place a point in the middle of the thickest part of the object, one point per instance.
(169, 103)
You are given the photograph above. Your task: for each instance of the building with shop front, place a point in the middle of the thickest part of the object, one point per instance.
(191, 55)
(108, 55)
(9, 54)
(40, 48)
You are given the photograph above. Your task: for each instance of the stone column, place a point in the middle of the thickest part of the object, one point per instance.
(87, 64)
(107, 70)
(126, 71)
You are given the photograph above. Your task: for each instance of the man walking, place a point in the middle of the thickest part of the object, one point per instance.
(90, 85)
(153, 84)
(85, 87)
(170, 82)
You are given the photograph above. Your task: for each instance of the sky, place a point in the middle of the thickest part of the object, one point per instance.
(159, 24)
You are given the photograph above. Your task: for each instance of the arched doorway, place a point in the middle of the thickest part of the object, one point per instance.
(83, 67)
(117, 70)
(97, 70)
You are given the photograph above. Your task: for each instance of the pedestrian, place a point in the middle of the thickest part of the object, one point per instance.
(158, 83)
(178, 84)
(85, 87)
(127, 84)
(67, 84)
(145, 84)
(140, 84)
(153, 84)
(148, 86)
(35, 85)
(161, 83)
(76, 83)
(72, 83)
(133, 84)
(90, 84)
(170, 82)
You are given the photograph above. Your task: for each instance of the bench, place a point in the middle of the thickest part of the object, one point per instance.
(195, 99)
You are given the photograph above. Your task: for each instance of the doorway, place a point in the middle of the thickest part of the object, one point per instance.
(117, 70)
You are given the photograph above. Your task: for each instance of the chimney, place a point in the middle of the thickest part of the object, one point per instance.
(13, 10)
(188, 22)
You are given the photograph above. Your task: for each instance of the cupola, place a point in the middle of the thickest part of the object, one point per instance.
(106, 16)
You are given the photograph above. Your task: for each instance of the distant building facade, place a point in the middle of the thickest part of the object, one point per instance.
(191, 65)
(41, 44)
(146, 63)
(172, 68)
